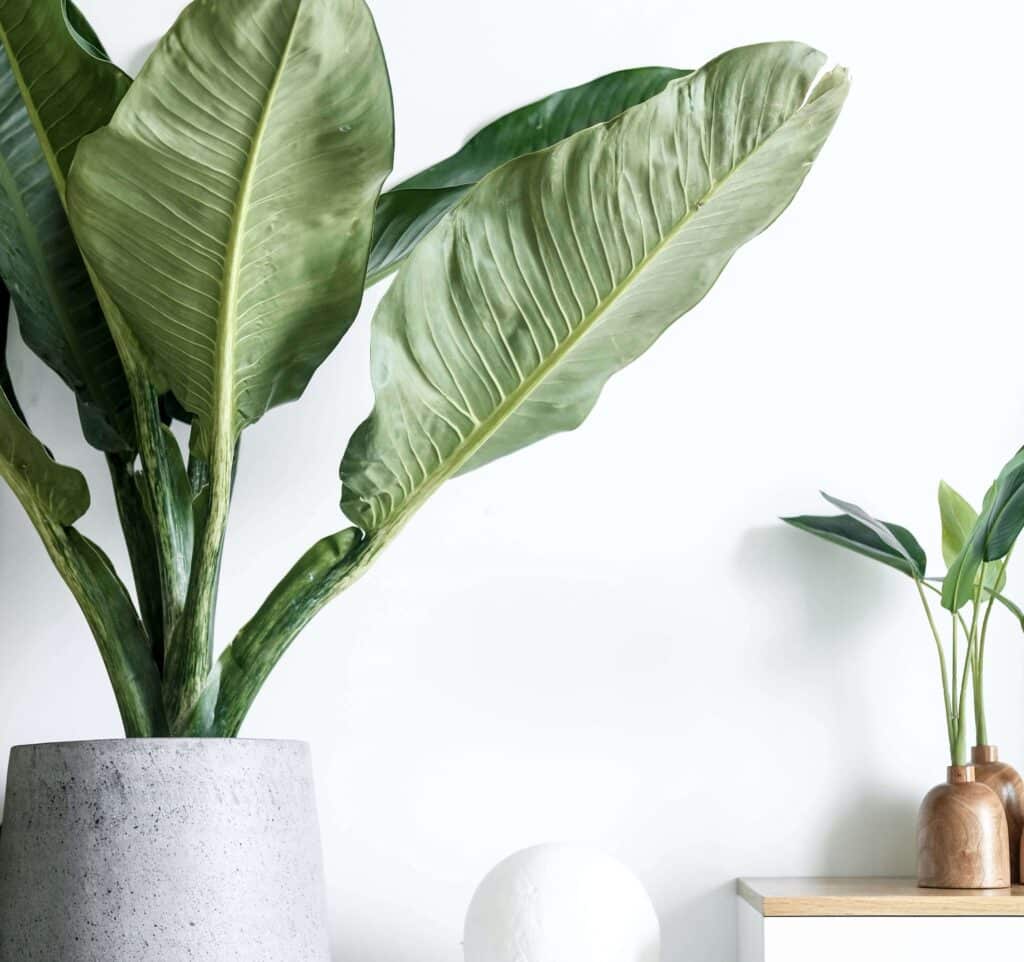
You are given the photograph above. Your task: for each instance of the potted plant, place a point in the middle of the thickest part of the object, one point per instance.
(969, 829)
(225, 217)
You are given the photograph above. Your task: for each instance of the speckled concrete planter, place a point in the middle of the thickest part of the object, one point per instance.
(161, 851)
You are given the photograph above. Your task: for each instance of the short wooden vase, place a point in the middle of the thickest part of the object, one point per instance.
(962, 835)
(1006, 782)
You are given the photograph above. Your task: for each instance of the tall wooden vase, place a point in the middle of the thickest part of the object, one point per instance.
(1005, 781)
(962, 835)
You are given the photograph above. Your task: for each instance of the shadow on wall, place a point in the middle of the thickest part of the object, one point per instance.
(873, 835)
(836, 594)
(701, 927)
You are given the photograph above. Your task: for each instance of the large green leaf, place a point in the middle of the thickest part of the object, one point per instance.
(1000, 522)
(848, 532)
(59, 316)
(46, 489)
(227, 207)
(408, 211)
(563, 266)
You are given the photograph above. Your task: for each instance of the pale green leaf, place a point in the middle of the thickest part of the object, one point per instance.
(958, 520)
(563, 266)
(227, 208)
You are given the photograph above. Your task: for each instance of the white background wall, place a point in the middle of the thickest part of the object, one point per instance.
(609, 637)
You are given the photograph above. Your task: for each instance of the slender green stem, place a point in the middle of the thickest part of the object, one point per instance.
(980, 722)
(956, 655)
(946, 698)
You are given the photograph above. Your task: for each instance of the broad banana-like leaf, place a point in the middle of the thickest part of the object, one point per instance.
(994, 533)
(563, 266)
(227, 208)
(408, 211)
(46, 489)
(849, 532)
(53, 91)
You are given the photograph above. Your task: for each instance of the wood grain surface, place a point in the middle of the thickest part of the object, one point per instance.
(1006, 782)
(866, 897)
(962, 835)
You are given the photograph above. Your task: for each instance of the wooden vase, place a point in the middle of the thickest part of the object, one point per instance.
(1006, 782)
(962, 835)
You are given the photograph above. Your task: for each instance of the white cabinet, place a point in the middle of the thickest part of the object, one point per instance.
(873, 920)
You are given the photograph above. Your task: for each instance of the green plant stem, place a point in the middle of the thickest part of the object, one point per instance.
(980, 722)
(319, 575)
(946, 698)
(190, 660)
(956, 655)
(158, 484)
(141, 544)
(158, 489)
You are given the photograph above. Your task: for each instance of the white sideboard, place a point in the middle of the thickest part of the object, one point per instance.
(873, 920)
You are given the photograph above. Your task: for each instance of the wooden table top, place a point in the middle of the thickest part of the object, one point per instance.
(788, 897)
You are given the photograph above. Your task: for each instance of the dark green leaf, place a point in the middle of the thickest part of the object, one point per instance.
(46, 489)
(994, 533)
(409, 210)
(850, 533)
(59, 317)
(119, 634)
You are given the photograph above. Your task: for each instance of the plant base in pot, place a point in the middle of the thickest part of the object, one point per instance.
(962, 835)
(161, 850)
(1006, 782)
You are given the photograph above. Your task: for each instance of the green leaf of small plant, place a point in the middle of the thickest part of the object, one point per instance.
(993, 535)
(883, 541)
(958, 520)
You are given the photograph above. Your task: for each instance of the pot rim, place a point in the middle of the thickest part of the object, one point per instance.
(161, 742)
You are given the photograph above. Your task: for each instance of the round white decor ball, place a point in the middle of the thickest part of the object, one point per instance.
(561, 903)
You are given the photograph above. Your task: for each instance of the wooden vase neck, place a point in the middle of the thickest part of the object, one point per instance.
(984, 754)
(960, 774)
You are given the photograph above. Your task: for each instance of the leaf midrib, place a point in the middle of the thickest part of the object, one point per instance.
(224, 428)
(488, 428)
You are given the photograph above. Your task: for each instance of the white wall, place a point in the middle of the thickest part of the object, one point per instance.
(609, 637)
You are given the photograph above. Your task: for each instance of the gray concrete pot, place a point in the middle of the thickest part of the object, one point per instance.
(206, 850)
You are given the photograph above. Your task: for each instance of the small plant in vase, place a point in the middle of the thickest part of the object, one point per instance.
(969, 829)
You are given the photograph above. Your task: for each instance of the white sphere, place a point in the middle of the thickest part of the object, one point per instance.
(561, 903)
